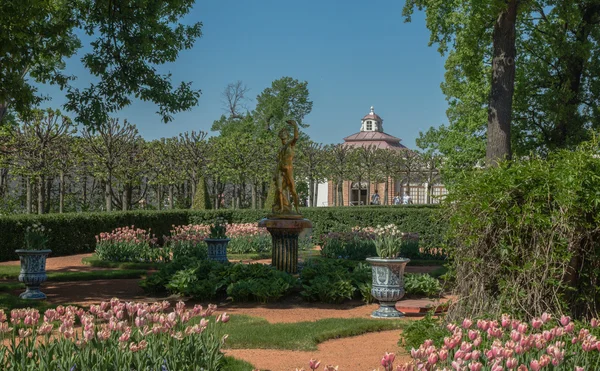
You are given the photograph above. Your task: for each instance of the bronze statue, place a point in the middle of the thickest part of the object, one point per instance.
(284, 175)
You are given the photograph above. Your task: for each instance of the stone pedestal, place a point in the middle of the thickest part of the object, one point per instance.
(284, 233)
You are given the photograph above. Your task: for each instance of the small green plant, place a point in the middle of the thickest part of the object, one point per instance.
(36, 237)
(428, 328)
(422, 284)
(218, 229)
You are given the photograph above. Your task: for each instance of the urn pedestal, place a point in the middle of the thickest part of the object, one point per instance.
(217, 249)
(388, 285)
(284, 234)
(33, 272)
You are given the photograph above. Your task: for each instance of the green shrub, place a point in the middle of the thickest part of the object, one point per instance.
(333, 281)
(428, 328)
(73, 233)
(524, 237)
(202, 279)
(422, 285)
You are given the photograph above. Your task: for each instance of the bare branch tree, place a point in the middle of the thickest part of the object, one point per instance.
(234, 98)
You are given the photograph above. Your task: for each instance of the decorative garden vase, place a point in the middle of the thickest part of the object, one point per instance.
(388, 285)
(217, 249)
(33, 272)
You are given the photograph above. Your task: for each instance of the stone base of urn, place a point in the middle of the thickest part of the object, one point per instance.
(284, 233)
(388, 285)
(33, 272)
(217, 249)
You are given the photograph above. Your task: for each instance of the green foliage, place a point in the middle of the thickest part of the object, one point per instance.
(126, 44)
(428, 328)
(523, 237)
(422, 285)
(74, 233)
(260, 244)
(333, 281)
(205, 280)
(554, 102)
(286, 99)
(201, 198)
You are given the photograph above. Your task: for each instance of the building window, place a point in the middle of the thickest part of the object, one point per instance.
(369, 125)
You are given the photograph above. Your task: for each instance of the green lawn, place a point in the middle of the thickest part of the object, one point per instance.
(233, 364)
(256, 333)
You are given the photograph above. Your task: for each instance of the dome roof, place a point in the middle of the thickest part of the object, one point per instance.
(372, 116)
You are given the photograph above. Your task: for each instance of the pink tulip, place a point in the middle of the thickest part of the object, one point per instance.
(535, 365)
(546, 317)
(467, 323)
(593, 322)
(537, 323)
(477, 366)
(314, 364)
(564, 320)
(511, 363)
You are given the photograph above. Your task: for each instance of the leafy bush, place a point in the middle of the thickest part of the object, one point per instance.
(74, 233)
(427, 328)
(250, 244)
(333, 281)
(422, 284)
(204, 279)
(525, 236)
(130, 244)
(113, 336)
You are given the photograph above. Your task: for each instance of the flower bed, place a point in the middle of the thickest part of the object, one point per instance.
(113, 336)
(507, 343)
(130, 244)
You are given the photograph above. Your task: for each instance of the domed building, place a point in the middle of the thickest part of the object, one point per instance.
(412, 182)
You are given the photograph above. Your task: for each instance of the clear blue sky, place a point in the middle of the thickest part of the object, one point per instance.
(353, 54)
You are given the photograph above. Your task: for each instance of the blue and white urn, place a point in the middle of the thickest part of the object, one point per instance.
(217, 249)
(33, 272)
(388, 285)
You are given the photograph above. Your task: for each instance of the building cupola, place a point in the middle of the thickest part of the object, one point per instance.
(372, 122)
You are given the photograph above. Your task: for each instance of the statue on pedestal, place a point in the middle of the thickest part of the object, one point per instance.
(284, 176)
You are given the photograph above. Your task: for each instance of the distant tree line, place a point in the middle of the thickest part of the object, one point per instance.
(48, 165)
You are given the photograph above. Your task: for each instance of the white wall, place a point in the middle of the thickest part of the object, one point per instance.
(323, 195)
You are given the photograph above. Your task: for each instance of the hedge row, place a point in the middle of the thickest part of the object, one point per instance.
(74, 233)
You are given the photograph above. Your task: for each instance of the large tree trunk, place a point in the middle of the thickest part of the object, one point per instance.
(28, 197)
(61, 192)
(253, 195)
(171, 202)
(386, 191)
(502, 87)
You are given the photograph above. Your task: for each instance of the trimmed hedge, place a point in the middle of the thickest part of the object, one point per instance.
(74, 233)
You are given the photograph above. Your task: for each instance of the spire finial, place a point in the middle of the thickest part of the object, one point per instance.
(372, 110)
